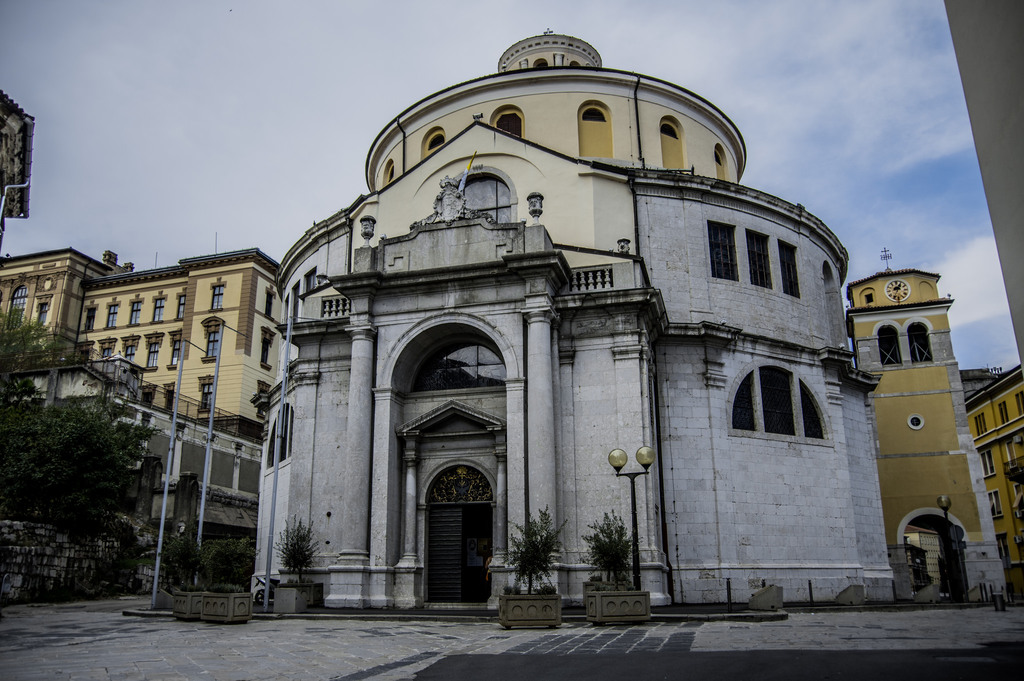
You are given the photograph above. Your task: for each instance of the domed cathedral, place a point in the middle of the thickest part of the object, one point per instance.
(552, 262)
(931, 475)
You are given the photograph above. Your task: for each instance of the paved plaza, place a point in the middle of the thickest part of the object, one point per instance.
(96, 641)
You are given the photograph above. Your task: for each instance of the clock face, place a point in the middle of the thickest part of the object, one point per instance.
(897, 290)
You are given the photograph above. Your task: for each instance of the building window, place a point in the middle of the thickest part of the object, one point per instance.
(268, 304)
(774, 387)
(431, 141)
(43, 309)
(980, 425)
(1004, 414)
(129, 352)
(154, 354)
(595, 131)
(889, 345)
(309, 280)
(389, 171)
(809, 411)
(995, 505)
(776, 401)
(135, 314)
(175, 352)
(672, 155)
(1019, 397)
(787, 262)
(721, 165)
(19, 299)
(106, 352)
(286, 436)
(213, 341)
(112, 316)
(920, 348)
(90, 319)
(265, 351)
(987, 465)
(757, 258)
(181, 306)
(206, 396)
(511, 123)
(490, 195)
(723, 251)
(743, 405)
(460, 366)
(158, 310)
(217, 301)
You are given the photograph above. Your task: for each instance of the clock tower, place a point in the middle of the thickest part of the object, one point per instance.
(899, 327)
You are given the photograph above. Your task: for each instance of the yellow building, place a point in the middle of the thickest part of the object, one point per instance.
(188, 312)
(900, 331)
(995, 414)
(47, 287)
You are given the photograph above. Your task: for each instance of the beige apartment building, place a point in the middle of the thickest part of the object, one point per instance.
(189, 312)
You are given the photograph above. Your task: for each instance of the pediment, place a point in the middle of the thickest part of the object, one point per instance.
(451, 417)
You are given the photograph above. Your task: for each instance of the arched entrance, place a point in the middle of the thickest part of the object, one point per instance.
(935, 555)
(459, 536)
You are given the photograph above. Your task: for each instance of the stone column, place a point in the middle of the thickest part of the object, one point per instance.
(358, 452)
(540, 435)
(409, 505)
(500, 500)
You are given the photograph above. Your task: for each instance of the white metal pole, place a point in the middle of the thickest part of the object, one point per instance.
(282, 415)
(209, 440)
(167, 479)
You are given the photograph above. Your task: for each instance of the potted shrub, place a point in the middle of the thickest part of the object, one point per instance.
(182, 561)
(613, 600)
(297, 549)
(531, 555)
(227, 566)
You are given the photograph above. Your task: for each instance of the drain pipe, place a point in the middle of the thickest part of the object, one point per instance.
(636, 109)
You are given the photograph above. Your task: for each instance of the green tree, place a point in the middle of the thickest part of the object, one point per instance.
(68, 465)
(609, 547)
(531, 553)
(297, 548)
(27, 344)
(182, 557)
(228, 563)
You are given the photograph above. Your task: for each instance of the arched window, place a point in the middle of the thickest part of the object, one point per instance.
(432, 140)
(889, 345)
(920, 348)
(18, 301)
(540, 63)
(286, 437)
(488, 194)
(464, 365)
(509, 119)
(595, 130)
(721, 164)
(672, 155)
(389, 171)
(772, 387)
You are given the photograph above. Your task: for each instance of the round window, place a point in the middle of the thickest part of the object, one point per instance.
(915, 421)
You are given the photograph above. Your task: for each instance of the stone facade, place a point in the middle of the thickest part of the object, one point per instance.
(464, 368)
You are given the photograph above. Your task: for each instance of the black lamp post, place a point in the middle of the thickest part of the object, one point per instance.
(618, 459)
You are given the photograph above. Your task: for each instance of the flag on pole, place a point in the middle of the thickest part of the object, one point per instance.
(465, 173)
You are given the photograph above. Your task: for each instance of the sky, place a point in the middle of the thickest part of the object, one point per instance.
(166, 130)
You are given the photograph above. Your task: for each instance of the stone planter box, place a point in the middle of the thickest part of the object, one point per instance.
(604, 607)
(290, 599)
(188, 605)
(229, 608)
(529, 610)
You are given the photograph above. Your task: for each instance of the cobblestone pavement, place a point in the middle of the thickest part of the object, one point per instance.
(95, 641)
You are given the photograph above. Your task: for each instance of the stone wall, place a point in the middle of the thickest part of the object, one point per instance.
(45, 562)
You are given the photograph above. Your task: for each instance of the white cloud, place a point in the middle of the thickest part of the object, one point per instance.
(971, 275)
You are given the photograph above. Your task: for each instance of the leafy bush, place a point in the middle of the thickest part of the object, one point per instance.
(68, 465)
(531, 553)
(228, 561)
(609, 548)
(297, 548)
(182, 558)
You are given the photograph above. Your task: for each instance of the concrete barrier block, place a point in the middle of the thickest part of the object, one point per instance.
(928, 594)
(289, 600)
(851, 595)
(974, 595)
(768, 598)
